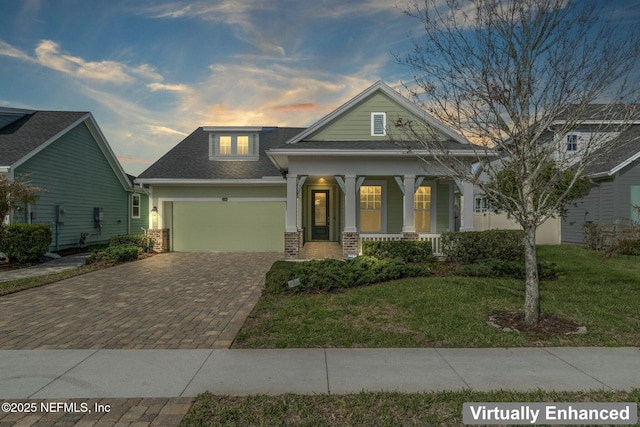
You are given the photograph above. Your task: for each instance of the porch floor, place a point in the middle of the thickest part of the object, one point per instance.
(321, 250)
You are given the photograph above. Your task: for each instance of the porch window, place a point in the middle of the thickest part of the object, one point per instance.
(422, 209)
(371, 208)
(135, 206)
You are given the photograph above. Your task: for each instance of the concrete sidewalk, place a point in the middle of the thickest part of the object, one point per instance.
(48, 374)
(50, 267)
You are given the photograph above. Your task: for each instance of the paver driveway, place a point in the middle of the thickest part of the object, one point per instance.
(168, 301)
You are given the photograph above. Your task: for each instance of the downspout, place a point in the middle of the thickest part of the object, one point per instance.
(129, 208)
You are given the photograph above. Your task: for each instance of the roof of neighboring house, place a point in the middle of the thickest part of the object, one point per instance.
(21, 137)
(601, 112)
(190, 159)
(627, 152)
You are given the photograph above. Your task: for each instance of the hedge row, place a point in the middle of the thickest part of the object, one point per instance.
(406, 250)
(329, 274)
(470, 246)
(121, 248)
(26, 242)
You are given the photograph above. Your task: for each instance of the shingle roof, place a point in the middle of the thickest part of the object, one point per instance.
(24, 135)
(629, 147)
(190, 159)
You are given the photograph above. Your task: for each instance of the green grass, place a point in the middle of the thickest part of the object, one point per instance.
(601, 294)
(32, 282)
(367, 409)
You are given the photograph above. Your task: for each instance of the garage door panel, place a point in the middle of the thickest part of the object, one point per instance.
(228, 226)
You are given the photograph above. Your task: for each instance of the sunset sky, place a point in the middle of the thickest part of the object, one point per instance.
(153, 71)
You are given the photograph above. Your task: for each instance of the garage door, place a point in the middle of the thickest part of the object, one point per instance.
(228, 226)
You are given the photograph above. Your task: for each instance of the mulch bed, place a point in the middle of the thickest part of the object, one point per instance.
(549, 325)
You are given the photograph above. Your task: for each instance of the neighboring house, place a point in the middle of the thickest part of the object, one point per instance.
(615, 192)
(616, 177)
(87, 197)
(340, 180)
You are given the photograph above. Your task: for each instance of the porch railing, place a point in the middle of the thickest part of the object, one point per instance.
(433, 238)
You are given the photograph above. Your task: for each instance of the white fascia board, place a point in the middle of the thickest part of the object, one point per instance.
(618, 168)
(598, 122)
(232, 128)
(5, 169)
(173, 181)
(367, 153)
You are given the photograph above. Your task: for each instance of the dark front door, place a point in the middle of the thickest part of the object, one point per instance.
(320, 215)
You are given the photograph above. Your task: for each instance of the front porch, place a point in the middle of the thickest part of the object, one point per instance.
(345, 210)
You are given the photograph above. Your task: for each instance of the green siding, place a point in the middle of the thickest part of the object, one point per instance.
(355, 124)
(228, 226)
(442, 207)
(169, 192)
(635, 203)
(77, 176)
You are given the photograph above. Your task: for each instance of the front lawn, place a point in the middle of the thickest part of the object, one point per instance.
(601, 294)
(367, 409)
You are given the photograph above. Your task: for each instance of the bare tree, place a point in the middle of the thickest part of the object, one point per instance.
(515, 77)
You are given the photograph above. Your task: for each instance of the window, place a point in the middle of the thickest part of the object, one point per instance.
(243, 145)
(378, 124)
(233, 147)
(135, 206)
(225, 146)
(572, 142)
(482, 204)
(422, 209)
(371, 208)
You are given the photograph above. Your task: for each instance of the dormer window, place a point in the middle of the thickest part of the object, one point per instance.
(233, 143)
(378, 124)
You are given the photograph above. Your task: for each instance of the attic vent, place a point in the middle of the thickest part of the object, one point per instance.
(378, 124)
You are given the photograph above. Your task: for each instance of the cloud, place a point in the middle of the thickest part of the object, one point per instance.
(168, 87)
(164, 130)
(127, 159)
(48, 54)
(294, 107)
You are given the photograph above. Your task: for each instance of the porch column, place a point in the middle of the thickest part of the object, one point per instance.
(467, 207)
(350, 235)
(291, 239)
(408, 223)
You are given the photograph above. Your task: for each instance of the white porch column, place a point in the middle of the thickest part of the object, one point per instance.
(467, 207)
(408, 223)
(291, 222)
(350, 204)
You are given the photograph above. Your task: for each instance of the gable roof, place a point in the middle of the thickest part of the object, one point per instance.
(189, 160)
(35, 130)
(382, 87)
(626, 153)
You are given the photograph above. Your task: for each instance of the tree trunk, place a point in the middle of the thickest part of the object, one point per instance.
(532, 291)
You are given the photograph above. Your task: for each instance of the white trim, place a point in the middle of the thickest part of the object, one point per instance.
(373, 123)
(598, 122)
(232, 128)
(182, 181)
(220, 199)
(366, 152)
(133, 216)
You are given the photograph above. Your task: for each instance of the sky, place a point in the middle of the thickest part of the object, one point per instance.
(152, 71)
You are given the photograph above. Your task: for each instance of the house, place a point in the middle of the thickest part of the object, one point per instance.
(340, 180)
(615, 174)
(616, 184)
(87, 196)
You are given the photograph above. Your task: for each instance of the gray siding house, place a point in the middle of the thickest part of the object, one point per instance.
(616, 190)
(88, 198)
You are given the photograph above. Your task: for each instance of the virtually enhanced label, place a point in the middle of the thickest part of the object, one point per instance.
(619, 413)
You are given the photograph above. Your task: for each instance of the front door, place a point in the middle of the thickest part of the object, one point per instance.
(320, 215)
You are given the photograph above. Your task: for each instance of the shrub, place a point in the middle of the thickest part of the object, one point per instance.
(115, 254)
(629, 247)
(469, 246)
(139, 240)
(326, 275)
(503, 269)
(26, 242)
(407, 250)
